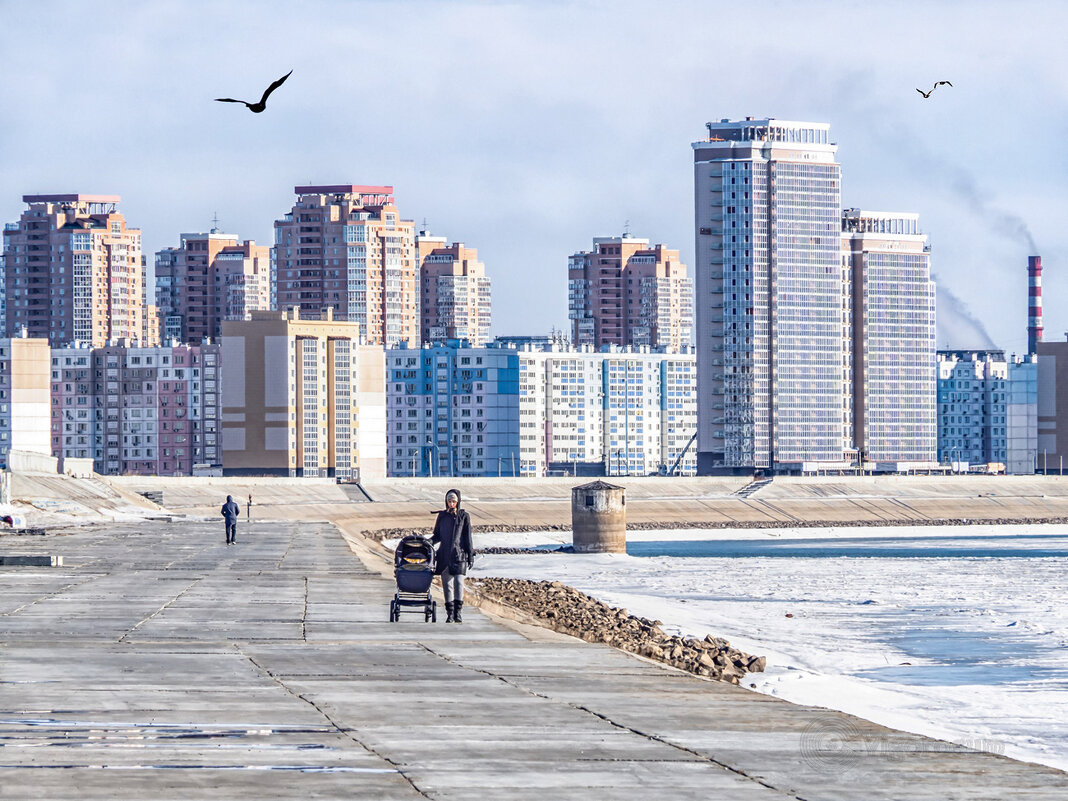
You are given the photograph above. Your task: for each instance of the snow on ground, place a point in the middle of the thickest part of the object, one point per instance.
(956, 632)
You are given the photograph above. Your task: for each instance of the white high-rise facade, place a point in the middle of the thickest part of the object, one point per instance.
(771, 298)
(893, 340)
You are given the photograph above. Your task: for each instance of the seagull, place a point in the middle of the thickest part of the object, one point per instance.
(939, 83)
(256, 108)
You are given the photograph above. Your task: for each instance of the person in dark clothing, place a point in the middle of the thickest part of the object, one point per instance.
(231, 511)
(455, 553)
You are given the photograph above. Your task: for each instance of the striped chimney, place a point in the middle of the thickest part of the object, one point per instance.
(1034, 302)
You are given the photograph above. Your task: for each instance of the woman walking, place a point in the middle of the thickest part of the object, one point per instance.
(452, 531)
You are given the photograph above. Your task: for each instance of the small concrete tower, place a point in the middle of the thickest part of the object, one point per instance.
(598, 518)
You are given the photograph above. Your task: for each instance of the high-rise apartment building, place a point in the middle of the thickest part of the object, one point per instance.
(540, 409)
(73, 271)
(207, 279)
(892, 307)
(988, 411)
(150, 330)
(772, 328)
(3, 293)
(454, 292)
(615, 412)
(138, 410)
(23, 397)
(626, 292)
(453, 410)
(345, 248)
(76, 432)
(302, 398)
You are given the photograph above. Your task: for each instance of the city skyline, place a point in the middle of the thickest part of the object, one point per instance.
(524, 130)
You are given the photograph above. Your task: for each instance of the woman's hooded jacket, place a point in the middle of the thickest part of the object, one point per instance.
(452, 533)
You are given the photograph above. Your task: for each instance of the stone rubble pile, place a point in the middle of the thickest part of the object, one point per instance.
(569, 611)
(480, 528)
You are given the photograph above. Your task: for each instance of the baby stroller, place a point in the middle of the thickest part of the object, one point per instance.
(413, 566)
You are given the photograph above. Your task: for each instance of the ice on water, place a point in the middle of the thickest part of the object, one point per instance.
(957, 632)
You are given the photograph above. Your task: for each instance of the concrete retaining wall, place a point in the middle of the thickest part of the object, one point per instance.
(30, 462)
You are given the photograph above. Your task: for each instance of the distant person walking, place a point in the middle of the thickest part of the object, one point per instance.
(231, 511)
(455, 555)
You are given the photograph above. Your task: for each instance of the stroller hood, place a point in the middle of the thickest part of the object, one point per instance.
(414, 550)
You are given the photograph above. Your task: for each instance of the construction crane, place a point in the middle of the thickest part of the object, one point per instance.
(675, 466)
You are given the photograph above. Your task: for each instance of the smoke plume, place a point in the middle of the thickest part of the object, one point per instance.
(957, 327)
(897, 134)
(1004, 223)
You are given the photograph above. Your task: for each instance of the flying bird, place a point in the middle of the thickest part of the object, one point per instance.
(256, 108)
(939, 83)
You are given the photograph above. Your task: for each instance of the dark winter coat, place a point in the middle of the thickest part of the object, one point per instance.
(452, 531)
(230, 510)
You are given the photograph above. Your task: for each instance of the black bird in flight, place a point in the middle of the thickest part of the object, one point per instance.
(939, 83)
(256, 108)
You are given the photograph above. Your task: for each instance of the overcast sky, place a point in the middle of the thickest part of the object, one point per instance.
(526, 129)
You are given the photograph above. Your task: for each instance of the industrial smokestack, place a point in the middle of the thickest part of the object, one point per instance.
(1034, 302)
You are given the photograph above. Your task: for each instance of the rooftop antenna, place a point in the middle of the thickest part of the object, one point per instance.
(626, 228)
(215, 223)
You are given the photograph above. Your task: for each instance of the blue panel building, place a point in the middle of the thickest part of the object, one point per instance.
(452, 410)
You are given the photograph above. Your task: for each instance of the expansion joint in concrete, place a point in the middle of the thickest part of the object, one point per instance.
(173, 600)
(684, 749)
(344, 731)
(623, 727)
(45, 597)
(304, 613)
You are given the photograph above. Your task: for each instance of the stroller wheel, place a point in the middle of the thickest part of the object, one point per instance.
(433, 611)
(393, 616)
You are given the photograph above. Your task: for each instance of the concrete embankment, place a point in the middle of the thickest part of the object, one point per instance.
(651, 502)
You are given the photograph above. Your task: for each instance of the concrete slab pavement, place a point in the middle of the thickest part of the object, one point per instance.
(159, 663)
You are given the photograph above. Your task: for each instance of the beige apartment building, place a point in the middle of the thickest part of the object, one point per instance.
(302, 397)
(73, 271)
(626, 292)
(344, 247)
(207, 279)
(24, 397)
(150, 328)
(454, 292)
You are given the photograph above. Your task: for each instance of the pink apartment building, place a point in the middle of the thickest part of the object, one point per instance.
(73, 271)
(454, 292)
(137, 410)
(624, 292)
(345, 248)
(207, 279)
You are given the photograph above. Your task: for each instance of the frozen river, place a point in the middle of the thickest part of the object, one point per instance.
(960, 633)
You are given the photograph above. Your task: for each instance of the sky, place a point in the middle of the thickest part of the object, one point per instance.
(526, 129)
